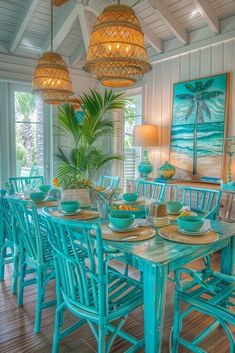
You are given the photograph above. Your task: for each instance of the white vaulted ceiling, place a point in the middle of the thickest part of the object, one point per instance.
(167, 24)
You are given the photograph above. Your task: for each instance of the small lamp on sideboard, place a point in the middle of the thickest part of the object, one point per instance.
(145, 136)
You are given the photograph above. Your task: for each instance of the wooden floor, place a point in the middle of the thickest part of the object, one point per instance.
(16, 325)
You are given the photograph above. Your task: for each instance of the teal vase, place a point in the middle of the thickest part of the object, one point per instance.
(145, 167)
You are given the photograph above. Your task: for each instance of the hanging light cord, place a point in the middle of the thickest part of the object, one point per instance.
(51, 26)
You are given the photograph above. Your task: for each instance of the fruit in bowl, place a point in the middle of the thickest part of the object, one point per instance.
(37, 196)
(190, 223)
(174, 206)
(130, 197)
(121, 221)
(69, 206)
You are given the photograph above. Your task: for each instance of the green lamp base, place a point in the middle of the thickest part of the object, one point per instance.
(145, 167)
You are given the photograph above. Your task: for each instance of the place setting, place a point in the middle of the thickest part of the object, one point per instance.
(71, 210)
(189, 229)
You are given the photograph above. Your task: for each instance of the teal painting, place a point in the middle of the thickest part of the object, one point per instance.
(198, 127)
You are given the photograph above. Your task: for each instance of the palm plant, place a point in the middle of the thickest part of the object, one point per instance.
(86, 156)
(199, 94)
(25, 106)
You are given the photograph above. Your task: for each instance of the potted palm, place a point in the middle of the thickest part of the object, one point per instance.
(80, 162)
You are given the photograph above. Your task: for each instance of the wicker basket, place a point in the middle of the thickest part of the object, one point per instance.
(59, 2)
(81, 195)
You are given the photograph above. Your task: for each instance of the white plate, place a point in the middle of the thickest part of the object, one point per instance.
(129, 229)
(186, 232)
(70, 213)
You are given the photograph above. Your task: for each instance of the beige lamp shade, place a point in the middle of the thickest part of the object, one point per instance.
(145, 136)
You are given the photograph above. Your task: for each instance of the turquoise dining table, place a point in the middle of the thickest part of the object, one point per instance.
(156, 258)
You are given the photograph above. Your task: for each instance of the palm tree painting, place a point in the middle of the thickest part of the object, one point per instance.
(198, 125)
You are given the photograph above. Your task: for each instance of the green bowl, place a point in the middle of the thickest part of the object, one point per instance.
(45, 188)
(190, 223)
(37, 196)
(69, 206)
(130, 197)
(174, 206)
(121, 221)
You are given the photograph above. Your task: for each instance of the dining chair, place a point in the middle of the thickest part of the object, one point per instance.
(7, 252)
(107, 181)
(201, 200)
(93, 291)
(151, 189)
(209, 293)
(36, 253)
(18, 184)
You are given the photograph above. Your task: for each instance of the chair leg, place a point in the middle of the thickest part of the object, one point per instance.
(20, 299)
(56, 338)
(176, 327)
(15, 271)
(39, 299)
(2, 262)
(101, 339)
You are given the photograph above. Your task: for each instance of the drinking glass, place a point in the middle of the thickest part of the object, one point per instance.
(151, 212)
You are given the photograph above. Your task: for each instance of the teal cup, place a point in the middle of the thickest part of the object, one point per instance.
(174, 206)
(190, 223)
(121, 221)
(130, 197)
(37, 196)
(69, 206)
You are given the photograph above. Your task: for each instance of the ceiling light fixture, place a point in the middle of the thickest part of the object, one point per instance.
(116, 54)
(51, 77)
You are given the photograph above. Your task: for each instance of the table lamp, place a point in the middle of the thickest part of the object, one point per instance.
(145, 136)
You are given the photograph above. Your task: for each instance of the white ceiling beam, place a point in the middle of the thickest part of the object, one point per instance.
(18, 34)
(209, 14)
(85, 26)
(77, 55)
(176, 28)
(151, 37)
(63, 25)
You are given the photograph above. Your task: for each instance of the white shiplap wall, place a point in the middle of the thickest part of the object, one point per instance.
(207, 61)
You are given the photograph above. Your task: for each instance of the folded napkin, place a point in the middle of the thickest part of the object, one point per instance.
(206, 226)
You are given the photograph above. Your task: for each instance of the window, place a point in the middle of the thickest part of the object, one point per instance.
(29, 137)
(132, 155)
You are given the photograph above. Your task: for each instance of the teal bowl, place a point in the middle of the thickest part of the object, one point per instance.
(190, 223)
(45, 188)
(121, 221)
(174, 206)
(69, 206)
(130, 197)
(37, 196)
(139, 212)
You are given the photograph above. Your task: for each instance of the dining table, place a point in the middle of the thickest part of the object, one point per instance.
(156, 258)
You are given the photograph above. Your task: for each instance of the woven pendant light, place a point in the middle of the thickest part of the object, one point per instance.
(51, 77)
(116, 55)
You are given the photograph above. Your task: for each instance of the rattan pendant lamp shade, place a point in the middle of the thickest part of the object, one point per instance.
(116, 55)
(51, 77)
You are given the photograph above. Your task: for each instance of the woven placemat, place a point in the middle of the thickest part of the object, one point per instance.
(141, 233)
(171, 233)
(47, 204)
(84, 215)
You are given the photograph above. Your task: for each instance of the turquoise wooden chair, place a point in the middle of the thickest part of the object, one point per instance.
(37, 253)
(7, 251)
(201, 200)
(107, 181)
(151, 189)
(94, 292)
(18, 184)
(207, 292)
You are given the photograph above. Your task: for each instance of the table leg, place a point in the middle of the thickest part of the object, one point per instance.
(228, 258)
(155, 279)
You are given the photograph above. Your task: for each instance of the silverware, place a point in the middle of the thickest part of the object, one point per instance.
(130, 237)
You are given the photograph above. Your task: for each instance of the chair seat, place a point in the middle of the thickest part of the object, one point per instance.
(214, 294)
(124, 294)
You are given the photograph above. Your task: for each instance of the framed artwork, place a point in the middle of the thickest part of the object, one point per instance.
(198, 128)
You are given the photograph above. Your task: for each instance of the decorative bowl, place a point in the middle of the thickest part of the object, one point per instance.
(37, 196)
(69, 206)
(121, 221)
(166, 171)
(45, 188)
(130, 197)
(174, 206)
(190, 223)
